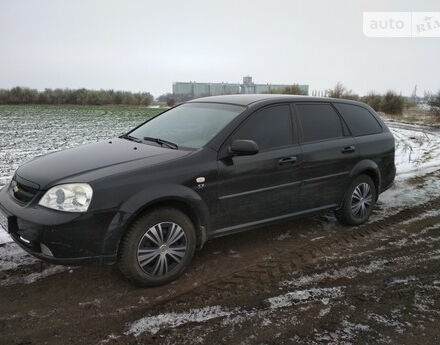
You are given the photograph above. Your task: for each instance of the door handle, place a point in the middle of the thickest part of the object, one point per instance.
(348, 149)
(287, 160)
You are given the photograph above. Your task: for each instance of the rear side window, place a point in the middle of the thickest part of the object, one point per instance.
(269, 128)
(359, 120)
(319, 122)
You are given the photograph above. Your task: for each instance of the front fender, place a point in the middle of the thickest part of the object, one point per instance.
(147, 197)
(154, 194)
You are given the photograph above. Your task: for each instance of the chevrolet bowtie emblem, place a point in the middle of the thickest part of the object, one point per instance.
(15, 189)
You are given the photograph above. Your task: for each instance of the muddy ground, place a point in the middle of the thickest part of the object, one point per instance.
(308, 281)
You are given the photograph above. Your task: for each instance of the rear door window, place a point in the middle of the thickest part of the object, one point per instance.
(270, 128)
(319, 122)
(359, 120)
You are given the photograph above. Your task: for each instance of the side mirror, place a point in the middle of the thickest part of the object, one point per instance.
(243, 147)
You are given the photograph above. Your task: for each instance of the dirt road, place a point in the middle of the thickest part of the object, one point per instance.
(308, 281)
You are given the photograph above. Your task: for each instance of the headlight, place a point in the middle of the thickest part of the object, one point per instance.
(74, 197)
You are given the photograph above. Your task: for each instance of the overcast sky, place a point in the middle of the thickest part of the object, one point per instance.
(146, 45)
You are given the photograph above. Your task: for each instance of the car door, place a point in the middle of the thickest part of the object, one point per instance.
(329, 154)
(266, 185)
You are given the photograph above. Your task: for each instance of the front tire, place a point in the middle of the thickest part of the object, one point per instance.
(158, 247)
(359, 201)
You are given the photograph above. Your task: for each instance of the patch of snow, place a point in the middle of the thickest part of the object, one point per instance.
(420, 237)
(343, 335)
(153, 324)
(109, 338)
(352, 326)
(417, 149)
(284, 236)
(324, 312)
(348, 272)
(234, 254)
(403, 194)
(4, 236)
(12, 256)
(96, 303)
(435, 226)
(236, 319)
(325, 301)
(399, 243)
(424, 215)
(288, 299)
(33, 277)
(317, 238)
(350, 329)
(266, 322)
(398, 326)
(404, 281)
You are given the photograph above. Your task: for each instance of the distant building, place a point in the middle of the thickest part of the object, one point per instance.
(320, 93)
(194, 90)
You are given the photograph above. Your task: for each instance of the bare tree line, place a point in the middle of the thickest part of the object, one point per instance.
(390, 102)
(23, 95)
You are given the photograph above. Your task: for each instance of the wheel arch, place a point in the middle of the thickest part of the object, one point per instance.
(180, 197)
(369, 168)
(183, 206)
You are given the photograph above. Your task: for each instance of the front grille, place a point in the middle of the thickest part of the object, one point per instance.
(22, 191)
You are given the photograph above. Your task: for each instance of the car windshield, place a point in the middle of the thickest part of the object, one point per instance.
(189, 125)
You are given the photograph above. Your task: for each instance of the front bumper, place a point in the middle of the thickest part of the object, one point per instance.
(76, 261)
(63, 237)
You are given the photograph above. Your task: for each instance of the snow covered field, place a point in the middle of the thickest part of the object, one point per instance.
(417, 154)
(29, 131)
(417, 149)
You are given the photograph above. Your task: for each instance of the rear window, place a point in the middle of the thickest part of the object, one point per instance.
(359, 120)
(319, 122)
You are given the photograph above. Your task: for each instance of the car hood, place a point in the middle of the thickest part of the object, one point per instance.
(48, 169)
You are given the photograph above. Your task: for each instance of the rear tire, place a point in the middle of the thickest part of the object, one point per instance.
(359, 201)
(158, 247)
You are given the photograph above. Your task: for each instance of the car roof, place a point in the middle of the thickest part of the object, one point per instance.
(248, 99)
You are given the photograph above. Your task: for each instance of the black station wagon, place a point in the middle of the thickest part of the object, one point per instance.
(203, 169)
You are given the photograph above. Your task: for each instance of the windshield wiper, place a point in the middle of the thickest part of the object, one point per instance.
(162, 142)
(129, 137)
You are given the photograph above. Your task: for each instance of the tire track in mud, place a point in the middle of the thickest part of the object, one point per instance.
(391, 275)
(390, 289)
(402, 275)
(264, 274)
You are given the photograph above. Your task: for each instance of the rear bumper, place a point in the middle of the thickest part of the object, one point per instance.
(388, 181)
